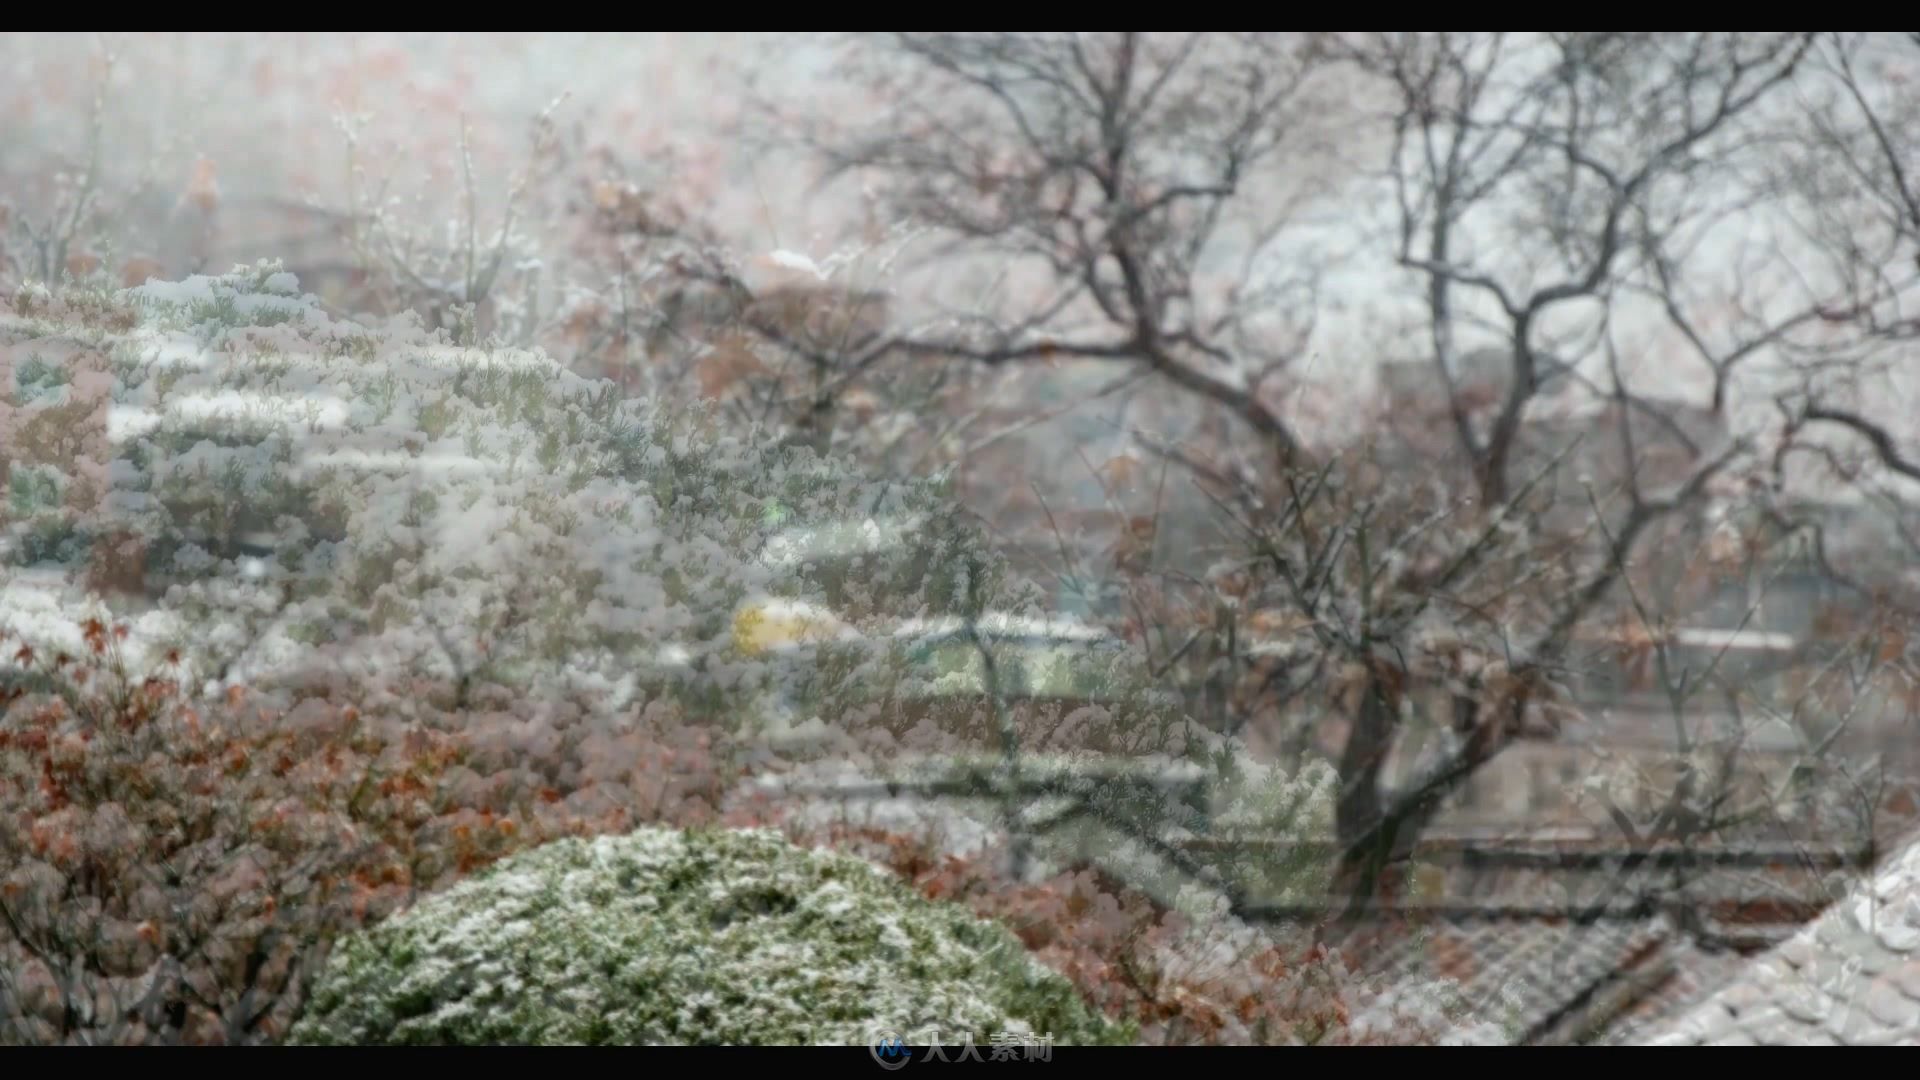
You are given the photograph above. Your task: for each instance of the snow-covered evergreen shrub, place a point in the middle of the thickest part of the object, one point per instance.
(688, 937)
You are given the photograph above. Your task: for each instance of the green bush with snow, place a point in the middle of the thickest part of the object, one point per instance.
(688, 937)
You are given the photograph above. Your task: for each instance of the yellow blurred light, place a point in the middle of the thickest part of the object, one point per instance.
(768, 625)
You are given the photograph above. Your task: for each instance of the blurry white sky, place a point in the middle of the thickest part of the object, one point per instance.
(262, 109)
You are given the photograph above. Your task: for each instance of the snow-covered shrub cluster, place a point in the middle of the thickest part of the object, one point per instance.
(314, 500)
(689, 937)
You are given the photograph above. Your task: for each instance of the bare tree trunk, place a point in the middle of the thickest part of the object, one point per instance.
(1359, 810)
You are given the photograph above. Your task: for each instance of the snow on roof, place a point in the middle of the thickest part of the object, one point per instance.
(1711, 638)
(1852, 977)
(803, 544)
(1000, 624)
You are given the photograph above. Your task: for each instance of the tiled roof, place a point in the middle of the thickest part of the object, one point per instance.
(1693, 973)
(1851, 977)
(1530, 979)
(1760, 903)
(1504, 938)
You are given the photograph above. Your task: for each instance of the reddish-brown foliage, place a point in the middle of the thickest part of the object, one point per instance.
(174, 870)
